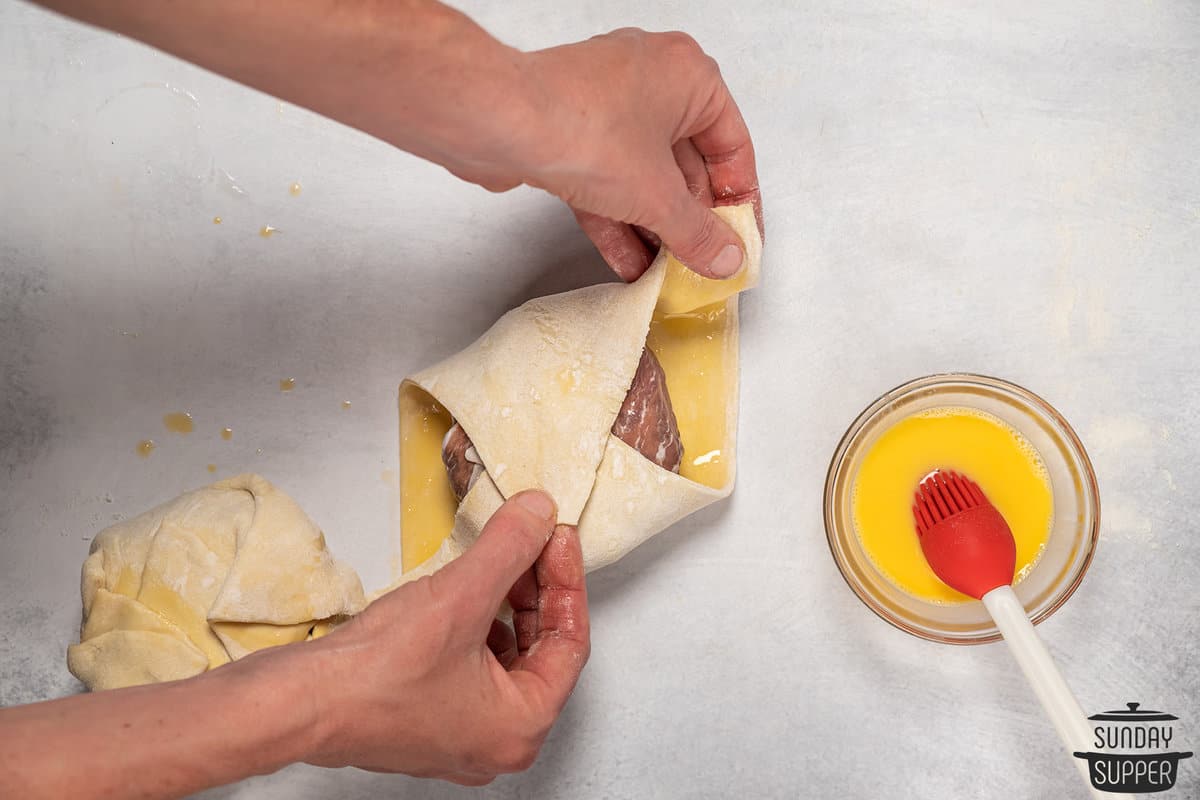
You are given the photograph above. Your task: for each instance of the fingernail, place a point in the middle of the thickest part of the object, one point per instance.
(536, 502)
(727, 262)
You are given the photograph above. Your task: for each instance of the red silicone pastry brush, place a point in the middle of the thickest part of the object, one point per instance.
(970, 547)
(964, 538)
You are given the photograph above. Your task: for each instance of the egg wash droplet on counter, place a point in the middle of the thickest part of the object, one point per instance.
(287, 384)
(267, 231)
(993, 454)
(295, 189)
(178, 422)
(227, 433)
(145, 447)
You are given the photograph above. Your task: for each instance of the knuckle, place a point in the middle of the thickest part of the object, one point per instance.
(500, 185)
(520, 756)
(629, 31)
(519, 747)
(433, 591)
(525, 760)
(542, 729)
(682, 44)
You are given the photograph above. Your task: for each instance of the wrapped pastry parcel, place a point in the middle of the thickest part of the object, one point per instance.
(538, 395)
(204, 579)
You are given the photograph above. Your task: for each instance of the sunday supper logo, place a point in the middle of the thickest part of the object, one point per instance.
(1133, 751)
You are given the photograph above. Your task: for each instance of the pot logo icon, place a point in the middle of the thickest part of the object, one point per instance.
(1133, 751)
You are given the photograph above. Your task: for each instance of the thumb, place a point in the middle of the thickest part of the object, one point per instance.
(697, 236)
(506, 548)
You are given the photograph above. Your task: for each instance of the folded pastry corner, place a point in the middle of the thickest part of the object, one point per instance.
(620, 400)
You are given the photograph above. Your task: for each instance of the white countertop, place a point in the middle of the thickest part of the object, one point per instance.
(1011, 189)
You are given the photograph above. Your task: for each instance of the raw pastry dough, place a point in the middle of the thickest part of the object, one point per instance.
(538, 393)
(206, 578)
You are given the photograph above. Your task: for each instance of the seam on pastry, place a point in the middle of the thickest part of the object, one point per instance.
(495, 471)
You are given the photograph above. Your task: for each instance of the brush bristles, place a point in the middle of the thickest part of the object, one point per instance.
(942, 494)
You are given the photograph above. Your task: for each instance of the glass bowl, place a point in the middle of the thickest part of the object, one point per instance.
(1073, 533)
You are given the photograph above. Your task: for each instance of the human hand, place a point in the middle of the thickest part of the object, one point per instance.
(427, 682)
(649, 139)
(639, 134)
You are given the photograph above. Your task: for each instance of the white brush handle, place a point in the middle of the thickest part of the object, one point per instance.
(1047, 682)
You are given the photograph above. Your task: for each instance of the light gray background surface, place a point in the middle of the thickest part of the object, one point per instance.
(1008, 188)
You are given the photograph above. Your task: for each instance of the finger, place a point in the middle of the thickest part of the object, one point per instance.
(547, 673)
(695, 173)
(696, 178)
(624, 252)
(502, 642)
(694, 234)
(722, 139)
(524, 601)
(509, 543)
(562, 589)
